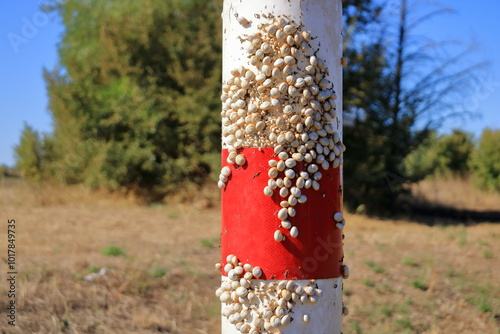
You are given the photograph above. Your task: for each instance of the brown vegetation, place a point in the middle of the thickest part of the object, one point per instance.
(405, 277)
(456, 192)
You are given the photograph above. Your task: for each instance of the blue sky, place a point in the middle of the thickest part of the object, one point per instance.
(28, 41)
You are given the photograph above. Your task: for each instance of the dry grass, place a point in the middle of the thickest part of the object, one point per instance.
(456, 193)
(406, 277)
(410, 278)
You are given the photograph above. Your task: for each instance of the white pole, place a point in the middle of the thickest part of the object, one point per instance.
(282, 167)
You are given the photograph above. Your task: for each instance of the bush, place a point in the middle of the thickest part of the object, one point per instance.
(7, 172)
(29, 155)
(485, 161)
(440, 155)
(134, 99)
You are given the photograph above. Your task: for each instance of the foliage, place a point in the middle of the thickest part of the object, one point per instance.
(135, 99)
(485, 161)
(135, 107)
(423, 161)
(113, 250)
(6, 171)
(357, 16)
(28, 154)
(455, 150)
(395, 93)
(159, 272)
(33, 154)
(440, 155)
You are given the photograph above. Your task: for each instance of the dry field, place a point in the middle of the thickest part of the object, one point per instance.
(405, 277)
(457, 193)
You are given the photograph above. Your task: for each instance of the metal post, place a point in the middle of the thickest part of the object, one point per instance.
(281, 178)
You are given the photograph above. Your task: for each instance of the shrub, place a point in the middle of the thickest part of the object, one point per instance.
(485, 161)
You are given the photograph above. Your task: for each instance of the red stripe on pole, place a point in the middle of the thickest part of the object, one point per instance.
(249, 220)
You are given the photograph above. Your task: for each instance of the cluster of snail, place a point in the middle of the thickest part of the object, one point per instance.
(257, 306)
(281, 99)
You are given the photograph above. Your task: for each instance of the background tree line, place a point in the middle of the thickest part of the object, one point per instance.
(135, 102)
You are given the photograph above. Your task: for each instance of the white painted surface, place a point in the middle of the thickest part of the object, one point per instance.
(325, 315)
(321, 17)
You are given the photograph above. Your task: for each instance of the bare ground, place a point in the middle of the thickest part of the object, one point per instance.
(405, 277)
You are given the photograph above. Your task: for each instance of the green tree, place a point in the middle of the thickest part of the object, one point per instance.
(455, 151)
(424, 161)
(485, 161)
(135, 97)
(29, 155)
(440, 155)
(395, 93)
